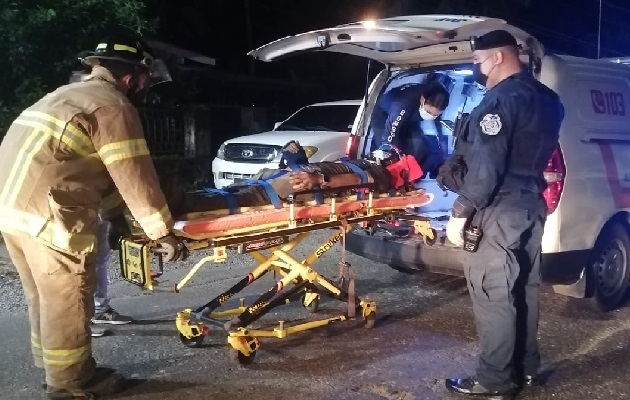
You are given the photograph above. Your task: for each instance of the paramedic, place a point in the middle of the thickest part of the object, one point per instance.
(62, 161)
(397, 117)
(514, 131)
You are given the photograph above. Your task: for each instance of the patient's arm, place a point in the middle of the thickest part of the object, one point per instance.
(305, 181)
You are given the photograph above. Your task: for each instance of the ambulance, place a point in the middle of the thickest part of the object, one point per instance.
(586, 243)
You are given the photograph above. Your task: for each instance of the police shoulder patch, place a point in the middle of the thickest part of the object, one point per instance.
(491, 124)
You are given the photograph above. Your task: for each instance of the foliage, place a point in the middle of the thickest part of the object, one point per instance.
(40, 41)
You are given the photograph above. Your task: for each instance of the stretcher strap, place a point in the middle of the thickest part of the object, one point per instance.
(229, 197)
(271, 193)
(342, 266)
(357, 170)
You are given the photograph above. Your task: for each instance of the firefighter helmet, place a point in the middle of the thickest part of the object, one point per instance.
(121, 48)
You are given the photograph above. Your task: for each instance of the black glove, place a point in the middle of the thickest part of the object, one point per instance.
(117, 229)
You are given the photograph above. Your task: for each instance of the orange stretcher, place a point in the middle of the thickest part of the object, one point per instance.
(268, 235)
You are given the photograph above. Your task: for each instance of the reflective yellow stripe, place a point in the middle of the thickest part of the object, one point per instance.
(81, 138)
(32, 145)
(125, 149)
(125, 48)
(44, 127)
(15, 221)
(20, 221)
(35, 342)
(101, 46)
(156, 221)
(64, 138)
(66, 357)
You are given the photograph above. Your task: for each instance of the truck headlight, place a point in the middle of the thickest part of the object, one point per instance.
(221, 152)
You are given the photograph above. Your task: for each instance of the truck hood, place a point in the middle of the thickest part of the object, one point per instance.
(280, 138)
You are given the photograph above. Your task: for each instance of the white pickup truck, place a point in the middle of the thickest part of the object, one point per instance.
(323, 129)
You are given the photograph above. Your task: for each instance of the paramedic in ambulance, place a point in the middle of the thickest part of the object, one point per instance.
(499, 215)
(397, 116)
(62, 162)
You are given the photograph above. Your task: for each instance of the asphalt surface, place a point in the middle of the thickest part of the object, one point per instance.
(424, 333)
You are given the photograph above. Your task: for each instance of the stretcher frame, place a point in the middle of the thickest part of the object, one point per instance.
(307, 285)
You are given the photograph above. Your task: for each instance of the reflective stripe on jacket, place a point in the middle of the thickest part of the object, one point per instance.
(78, 152)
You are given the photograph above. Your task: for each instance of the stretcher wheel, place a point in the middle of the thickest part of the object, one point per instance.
(239, 358)
(192, 342)
(370, 320)
(313, 306)
(430, 242)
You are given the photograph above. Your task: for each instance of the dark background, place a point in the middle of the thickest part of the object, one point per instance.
(228, 29)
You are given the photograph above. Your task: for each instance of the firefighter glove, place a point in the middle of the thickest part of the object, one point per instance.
(172, 248)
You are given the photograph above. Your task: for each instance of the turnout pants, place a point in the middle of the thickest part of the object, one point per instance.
(503, 279)
(59, 291)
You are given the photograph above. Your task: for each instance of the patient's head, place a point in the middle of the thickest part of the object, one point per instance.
(293, 155)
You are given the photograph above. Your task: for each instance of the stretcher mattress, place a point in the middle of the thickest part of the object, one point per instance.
(217, 221)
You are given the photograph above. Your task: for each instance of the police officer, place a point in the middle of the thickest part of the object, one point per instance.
(397, 117)
(514, 131)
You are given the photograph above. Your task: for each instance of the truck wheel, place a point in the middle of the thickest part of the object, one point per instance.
(610, 272)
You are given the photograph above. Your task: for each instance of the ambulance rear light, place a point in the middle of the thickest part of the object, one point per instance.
(554, 175)
(351, 146)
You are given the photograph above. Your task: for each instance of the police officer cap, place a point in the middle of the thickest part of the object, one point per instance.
(492, 40)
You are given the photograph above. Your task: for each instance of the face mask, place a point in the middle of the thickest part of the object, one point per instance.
(425, 115)
(479, 76)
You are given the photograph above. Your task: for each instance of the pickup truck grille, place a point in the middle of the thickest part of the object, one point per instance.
(235, 175)
(251, 153)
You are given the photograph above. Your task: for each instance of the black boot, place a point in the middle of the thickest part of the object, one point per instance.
(470, 387)
(104, 382)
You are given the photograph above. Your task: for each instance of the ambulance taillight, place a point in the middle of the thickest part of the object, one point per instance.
(554, 175)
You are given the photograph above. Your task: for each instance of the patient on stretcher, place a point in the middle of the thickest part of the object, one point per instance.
(388, 171)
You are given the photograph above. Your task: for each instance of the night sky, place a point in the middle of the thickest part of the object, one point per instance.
(219, 28)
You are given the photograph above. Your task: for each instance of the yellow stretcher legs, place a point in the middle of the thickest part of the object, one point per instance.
(270, 247)
(303, 283)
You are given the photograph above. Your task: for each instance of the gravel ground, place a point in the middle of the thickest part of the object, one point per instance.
(424, 333)
(11, 294)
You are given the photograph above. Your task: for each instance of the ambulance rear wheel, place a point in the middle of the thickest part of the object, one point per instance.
(609, 269)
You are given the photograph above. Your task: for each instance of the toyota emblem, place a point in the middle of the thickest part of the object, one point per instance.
(247, 153)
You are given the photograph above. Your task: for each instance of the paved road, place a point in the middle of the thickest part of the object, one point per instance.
(424, 334)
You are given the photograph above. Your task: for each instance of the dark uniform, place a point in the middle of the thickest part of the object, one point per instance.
(514, 132)
(396, 121)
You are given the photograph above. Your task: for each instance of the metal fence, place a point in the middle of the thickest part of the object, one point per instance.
(184, 140)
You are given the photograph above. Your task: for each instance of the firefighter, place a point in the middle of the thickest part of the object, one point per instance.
(513, 133)
(77, 152)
